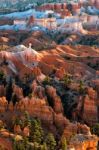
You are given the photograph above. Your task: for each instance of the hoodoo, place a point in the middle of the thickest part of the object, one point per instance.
(49, 75)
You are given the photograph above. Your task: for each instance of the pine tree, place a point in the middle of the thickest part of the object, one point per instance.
(67, 80)
(9, 90)
(64, 143)
(14, 145)
(50, 141)
(44, 147)
(81, 87)
(18, 146)
(47, 81)
(25, 143)
(27, 121)
(36, 146)
(36, 131)
(17, 121)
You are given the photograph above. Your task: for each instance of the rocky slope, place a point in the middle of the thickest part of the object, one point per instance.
(52, 85)
(49, 79)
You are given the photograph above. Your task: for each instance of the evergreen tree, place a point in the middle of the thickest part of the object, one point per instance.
(64, 143)
(22, 144)
(81, 87)
(50, 141)
(18, 145)
(47, 81)
(16, 121)
(9, 90)
(1, 75)
(67, 80)
(36, 146)
(36, 131)
(27, 121)
(44, 147)
(25, 143)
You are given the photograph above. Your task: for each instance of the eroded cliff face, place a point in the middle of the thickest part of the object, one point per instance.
(51, 91)
(63, 61)
(78, 135)
(89, 107)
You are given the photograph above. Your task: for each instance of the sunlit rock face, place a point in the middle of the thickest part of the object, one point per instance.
(81, 142)
(21, 58)
(90, 109)
(27, 55)
(56, 101)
